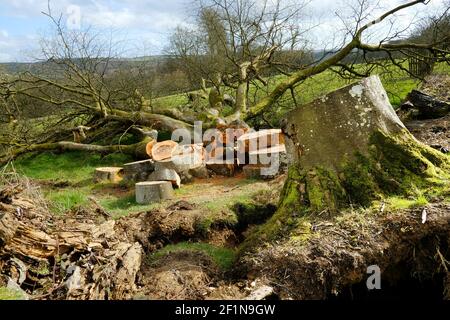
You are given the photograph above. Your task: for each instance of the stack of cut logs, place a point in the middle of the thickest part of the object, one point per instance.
(170, 163)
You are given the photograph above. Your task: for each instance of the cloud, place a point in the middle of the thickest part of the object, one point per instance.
(152, 21)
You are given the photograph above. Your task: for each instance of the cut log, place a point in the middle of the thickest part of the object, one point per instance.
(220, 155)
(428, 106)
(149, 148)
(281, 148)
(261, 139)
(162, 173)
(185, 158)
(163, 150)
(108, 174)
(153, 191)
(138, 171)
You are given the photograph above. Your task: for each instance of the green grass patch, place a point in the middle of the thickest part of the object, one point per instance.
(69, 166)
(121, 207)
(10, 294)
(223, 257)
(396, 203)
(65, 199)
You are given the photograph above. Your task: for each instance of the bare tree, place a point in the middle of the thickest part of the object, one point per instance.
(236, 42)
(356, 43)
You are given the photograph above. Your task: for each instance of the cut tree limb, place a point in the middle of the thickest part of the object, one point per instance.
(163, 150)
(138, 171)
(429, 107)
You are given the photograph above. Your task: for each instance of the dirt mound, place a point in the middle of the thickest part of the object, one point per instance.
(434, 132)
(179, 275)
(336, 253)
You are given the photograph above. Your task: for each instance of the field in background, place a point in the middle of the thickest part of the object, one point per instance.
(396, 82)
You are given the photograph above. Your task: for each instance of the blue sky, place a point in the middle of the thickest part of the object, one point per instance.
(147, 24)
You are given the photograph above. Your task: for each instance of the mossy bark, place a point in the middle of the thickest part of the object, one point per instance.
(348, 149)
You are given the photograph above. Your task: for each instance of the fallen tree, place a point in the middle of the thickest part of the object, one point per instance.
(86, 94)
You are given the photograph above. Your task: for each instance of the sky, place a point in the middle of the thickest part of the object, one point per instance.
(145, 25)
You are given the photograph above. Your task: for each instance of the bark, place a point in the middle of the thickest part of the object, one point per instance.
(349, 148)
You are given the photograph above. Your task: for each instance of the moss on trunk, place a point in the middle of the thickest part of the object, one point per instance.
(350, 161)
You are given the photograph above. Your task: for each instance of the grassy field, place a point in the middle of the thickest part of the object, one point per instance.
(396, 82)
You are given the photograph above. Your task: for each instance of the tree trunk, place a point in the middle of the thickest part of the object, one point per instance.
(350, 148)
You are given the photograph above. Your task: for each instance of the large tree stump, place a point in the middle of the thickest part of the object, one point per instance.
(349, 147)
(108, 174)
(153, 191)
(138, 171)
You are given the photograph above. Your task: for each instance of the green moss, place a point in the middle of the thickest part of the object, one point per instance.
(324, 190)
(396, 168)
(395, 203)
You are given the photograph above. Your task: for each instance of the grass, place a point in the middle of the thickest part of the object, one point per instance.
(71, 166)
(120, 207)
(223, 257)
(396, 203)
(75, 168)
(10, 294)
(65, 199)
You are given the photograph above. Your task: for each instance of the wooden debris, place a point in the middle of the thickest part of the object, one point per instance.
(429, 107)
(94, 263)
(185, 158)
(108, 174)
(153, 191)
(162, 173)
